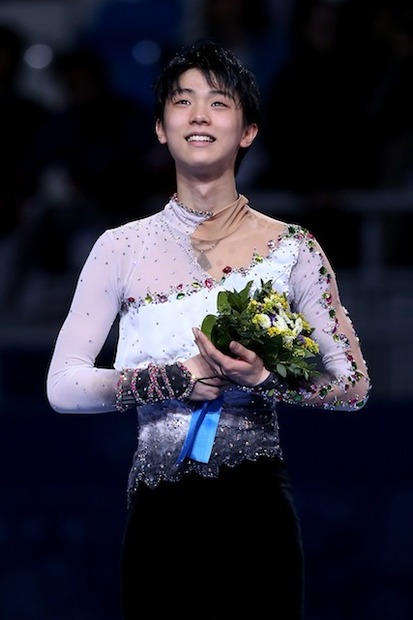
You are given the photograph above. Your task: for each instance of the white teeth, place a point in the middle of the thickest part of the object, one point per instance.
(199, 139)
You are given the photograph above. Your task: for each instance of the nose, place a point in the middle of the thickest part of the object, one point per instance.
(199, 115)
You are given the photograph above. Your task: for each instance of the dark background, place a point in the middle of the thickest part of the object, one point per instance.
(335, 154)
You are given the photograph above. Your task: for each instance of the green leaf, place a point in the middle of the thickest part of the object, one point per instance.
(222, 301)
(281, 370)
(208, 324)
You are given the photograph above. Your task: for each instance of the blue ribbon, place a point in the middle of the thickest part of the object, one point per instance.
(201, 432)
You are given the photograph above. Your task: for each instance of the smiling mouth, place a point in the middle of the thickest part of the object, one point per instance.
(200, 138)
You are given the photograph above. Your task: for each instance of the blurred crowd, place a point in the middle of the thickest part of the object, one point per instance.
(335, 80)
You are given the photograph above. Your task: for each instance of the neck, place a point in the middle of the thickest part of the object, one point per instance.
(207, 197)
(223, 222)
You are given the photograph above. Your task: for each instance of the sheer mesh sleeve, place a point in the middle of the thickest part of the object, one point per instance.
(344, 383)
(73, 381)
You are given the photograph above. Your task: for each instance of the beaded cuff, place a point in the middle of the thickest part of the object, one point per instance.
(140, 386)
(270, 387)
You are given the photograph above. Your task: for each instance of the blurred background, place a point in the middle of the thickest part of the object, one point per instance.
(79, 155)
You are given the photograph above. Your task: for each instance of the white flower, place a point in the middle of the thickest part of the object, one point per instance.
(281, 322)
(263, 320)
(298, 327)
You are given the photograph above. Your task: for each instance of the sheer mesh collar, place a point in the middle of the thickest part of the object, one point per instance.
(206, 225)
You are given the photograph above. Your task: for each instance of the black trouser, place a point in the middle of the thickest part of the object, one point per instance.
(215, 549)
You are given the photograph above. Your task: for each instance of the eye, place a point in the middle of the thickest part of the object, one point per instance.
(220, 104)
(177, 98)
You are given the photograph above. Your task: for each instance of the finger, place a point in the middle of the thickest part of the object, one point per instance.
(205, 346)
(242, 352)
(200, 338)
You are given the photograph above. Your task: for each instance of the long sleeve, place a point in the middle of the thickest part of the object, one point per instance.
(344, 381)
(73, 382)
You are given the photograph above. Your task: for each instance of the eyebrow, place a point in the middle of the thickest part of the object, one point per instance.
(190, 91)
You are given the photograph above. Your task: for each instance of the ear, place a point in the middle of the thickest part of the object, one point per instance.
(160, 131)
(249, 135)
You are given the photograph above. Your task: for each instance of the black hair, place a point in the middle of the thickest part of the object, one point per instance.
(220, 67)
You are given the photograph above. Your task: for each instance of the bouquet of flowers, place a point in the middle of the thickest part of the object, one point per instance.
(264, 323)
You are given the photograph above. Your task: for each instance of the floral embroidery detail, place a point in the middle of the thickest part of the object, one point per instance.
(344, 340)
(298, 232)
(323, 272)
(327, 298)
(179, 291)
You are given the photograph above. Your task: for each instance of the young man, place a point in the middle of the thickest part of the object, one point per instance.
(211, 533)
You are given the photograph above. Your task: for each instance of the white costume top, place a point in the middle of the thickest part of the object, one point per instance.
(149, 273)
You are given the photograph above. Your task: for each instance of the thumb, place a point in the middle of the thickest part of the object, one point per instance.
(240, 351)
